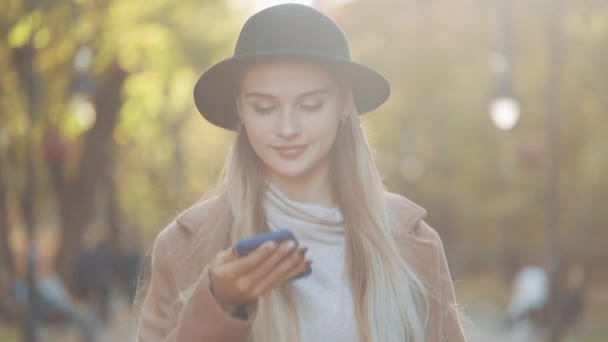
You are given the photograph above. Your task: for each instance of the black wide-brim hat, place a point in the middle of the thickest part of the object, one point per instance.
(288, 31)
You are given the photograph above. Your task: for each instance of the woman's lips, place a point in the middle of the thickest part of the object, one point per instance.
(290, 152)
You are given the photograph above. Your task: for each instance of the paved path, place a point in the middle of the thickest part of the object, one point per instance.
(482, 324)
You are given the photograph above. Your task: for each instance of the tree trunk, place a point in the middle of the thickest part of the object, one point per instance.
(23, 58)
(7, 260)
(77, 202)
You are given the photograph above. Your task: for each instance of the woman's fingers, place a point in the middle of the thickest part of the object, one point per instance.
(232, 276)
(227, 268)
(271, 262)
(249, 282)
(243, 279)
(286, 269)
(301, 267)
(219, 264)
(224, 256)
(244, 265)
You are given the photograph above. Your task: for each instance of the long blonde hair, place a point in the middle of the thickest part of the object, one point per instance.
(389, 297)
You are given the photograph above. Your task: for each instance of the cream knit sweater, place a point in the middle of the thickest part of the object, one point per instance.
(323, 299)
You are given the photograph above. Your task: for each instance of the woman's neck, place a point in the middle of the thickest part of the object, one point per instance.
(312, 188)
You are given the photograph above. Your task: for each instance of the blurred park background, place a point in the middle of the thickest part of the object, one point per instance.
(496, 125)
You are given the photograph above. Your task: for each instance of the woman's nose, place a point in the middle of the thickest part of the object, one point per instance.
(289, 125)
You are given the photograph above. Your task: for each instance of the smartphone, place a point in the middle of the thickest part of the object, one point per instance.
(247, 245)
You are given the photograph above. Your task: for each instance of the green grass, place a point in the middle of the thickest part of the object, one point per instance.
(8, 333)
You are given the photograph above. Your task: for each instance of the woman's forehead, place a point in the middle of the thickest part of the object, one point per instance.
(286, 77)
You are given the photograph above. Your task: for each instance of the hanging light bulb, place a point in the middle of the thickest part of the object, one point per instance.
(504, 112)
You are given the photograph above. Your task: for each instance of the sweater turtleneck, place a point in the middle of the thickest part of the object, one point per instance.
(324, 302)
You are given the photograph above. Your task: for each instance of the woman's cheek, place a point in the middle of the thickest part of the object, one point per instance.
(258, 146)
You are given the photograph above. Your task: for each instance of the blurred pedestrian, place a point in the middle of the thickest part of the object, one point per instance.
(529, 313)
(572, 302)
(55, 305)
(530, 293)
(127, 265)
(93, 278)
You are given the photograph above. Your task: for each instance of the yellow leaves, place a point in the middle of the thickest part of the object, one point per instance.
(81, 117)
(163, 45)
(146, 87)
(14, 128)
(143, 98)
(139, 33)
(144, 45)
(154, 99)
(25, 28)
(29, 28)
(42, 38)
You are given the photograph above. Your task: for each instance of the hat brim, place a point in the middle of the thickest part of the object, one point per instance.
(214, 92)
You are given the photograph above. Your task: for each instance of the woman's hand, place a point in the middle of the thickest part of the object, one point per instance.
(240, 280)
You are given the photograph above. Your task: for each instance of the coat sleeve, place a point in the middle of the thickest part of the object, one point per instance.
(450, 327)
(199, 318)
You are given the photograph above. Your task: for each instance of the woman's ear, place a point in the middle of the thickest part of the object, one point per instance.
(237, 105)
(348, 104)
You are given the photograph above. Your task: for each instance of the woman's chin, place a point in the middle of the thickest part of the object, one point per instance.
(290, 174)
(292, 171)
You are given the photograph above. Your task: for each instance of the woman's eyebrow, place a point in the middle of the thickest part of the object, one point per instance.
(258, 94)
(304, 94)
(322, 91)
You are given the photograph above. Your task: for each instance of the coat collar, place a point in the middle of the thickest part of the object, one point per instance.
(404, 213)
(200, 214)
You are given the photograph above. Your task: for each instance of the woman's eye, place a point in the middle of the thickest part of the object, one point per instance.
(312, 108)
(263, 109)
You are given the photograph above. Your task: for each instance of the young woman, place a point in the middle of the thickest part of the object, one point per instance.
(300, 161)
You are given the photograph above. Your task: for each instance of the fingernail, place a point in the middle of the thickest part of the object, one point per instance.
(290, 245)
(270, 245)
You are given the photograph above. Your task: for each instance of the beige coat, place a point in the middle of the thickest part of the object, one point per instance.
(183, 250)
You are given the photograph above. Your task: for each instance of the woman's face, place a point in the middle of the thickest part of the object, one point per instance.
(291, 111)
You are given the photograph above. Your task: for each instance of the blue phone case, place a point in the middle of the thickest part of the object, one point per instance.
(244, 246)
(247, 245)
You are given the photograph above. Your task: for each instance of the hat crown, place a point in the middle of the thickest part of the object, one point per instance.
(292, 28)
